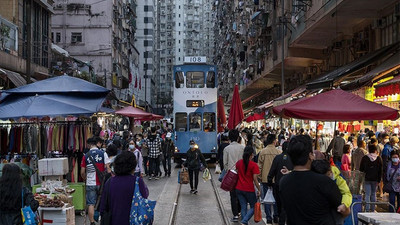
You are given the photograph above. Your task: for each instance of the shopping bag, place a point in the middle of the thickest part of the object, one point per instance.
(217, 169)
(206, 175)
(221, 176)
(142, 210)
(269, 197)
(257, 212)
(229, 181)
(184, 176)
(28, 216)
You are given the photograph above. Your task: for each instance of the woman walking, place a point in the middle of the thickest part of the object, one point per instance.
(393, 180)
(371, 165)
(118, 192)
(194, 158)
(247, 171)
(11, 194)
(346, 158)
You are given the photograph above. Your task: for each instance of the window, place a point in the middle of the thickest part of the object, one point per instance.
(58, 37)
(148, 8)
(180, 121)
(148, 54)
(179, 80)
(195, 80)
(147, 66)
(210, 79)
(148, 31)
(147, 43)
(195, 121)
(148, 19)
(76, 37)
(209, 122)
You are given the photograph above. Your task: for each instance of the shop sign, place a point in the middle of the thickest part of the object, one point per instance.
(381, 99)
(114, 79)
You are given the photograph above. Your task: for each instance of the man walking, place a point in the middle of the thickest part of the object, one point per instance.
(265, 159)
(92, 163)
(168, 149)
(336, 146)
(233, 153)
(154, 146)
(308, 197)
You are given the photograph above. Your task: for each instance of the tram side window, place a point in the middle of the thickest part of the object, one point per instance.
(180, 121)
(195, 80)
(209, 122)
(210, 79)
(179, 80)
(195, 121)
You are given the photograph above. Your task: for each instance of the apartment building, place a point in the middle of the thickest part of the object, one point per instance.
(323, 44)
(25, 43)
(100, 33)
(182, 28)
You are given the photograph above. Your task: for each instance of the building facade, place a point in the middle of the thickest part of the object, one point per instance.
(145, 81)
(100, 33)
(182, 28)
(313, 38)
(25, 42)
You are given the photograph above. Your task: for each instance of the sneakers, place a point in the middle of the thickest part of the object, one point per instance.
(157, 177)
(194, 191)
(169, 175)
(235, 219)
(149, 177)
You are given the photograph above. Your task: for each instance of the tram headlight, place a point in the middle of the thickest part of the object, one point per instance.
(196, 146)
(176, 149)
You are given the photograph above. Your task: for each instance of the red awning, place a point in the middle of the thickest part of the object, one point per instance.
(389, 87)
(137, 113)
(337, 105)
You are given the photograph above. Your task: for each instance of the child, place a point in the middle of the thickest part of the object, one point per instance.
(323, 167)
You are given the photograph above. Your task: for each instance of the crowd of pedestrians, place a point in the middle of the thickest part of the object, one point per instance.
(306, 172)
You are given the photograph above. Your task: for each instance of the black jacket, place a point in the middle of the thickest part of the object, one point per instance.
(279, 161)
(14, 217)
(372, 169)
(168, 148)
(193, 159)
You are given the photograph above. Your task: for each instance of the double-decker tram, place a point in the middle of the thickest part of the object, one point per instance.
(195, 107)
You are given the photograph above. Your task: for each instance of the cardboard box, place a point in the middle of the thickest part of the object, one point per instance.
(53, 167)
(58, 216)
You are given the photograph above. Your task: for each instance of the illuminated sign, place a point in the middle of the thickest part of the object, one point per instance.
(194, 103)
(195, 59)
(381, 99)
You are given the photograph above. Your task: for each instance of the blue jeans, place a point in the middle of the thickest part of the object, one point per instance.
(370, 194)
(392, 200)
(244, 198)
(267, 207)
(91, 194)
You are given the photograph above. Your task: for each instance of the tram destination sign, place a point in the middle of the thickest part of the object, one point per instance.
(194, 103)
(195, 59)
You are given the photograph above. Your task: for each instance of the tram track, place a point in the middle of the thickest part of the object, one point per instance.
(178, 199)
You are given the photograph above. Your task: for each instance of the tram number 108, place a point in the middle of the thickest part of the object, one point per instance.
(195, 59)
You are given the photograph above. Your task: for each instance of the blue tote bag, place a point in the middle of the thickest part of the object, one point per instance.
(142, 210)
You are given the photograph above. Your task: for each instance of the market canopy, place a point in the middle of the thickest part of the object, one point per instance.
(336, 105)
(17, 106)
(60, 84)
(137, 113)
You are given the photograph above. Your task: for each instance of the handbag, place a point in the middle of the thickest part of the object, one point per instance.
(388, 187)
(184, 176)
(217, 169)
(28, 216)
(230, 180)
(269, 197)
(257, 212)
(206, 175)
(142, 210)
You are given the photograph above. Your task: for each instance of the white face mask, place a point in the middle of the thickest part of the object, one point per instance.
(191, 146)
(395, 160)
(131, 146)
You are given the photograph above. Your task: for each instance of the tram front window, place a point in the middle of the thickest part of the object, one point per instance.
(209, 122)
(195, 121)
(180, 121)
(195, 80)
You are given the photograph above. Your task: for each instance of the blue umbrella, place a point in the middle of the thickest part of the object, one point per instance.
(60, 84)
(17, 106)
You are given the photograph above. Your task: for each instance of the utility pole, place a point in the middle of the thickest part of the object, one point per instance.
(145, 78)
(29, 5)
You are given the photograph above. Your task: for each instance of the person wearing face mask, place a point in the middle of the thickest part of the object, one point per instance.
(307, 197)
(392, 180)
(193, 160)
(139, 171)
(168, 149)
